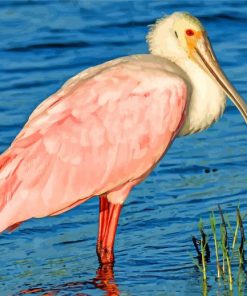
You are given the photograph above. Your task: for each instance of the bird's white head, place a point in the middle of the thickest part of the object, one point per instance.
(181, 38)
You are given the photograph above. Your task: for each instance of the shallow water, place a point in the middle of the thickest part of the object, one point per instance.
(43, 43)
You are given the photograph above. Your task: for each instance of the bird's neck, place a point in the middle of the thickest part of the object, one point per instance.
(207, 101)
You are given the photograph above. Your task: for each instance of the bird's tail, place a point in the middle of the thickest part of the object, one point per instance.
(5, 158)
(6, 168)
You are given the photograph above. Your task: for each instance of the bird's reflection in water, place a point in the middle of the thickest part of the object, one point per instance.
(104, 280)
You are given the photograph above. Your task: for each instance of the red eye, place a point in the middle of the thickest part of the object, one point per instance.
(190, 32)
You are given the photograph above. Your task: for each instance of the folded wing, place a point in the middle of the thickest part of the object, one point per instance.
(98, 132)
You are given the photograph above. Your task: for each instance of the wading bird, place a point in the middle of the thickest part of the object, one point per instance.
(106, 129)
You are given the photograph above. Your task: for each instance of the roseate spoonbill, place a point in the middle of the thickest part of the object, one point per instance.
(106, 129)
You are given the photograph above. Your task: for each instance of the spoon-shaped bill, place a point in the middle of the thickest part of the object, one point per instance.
(206, 58)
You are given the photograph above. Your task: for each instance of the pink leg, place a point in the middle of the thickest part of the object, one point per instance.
(108, 221)
(103, 218)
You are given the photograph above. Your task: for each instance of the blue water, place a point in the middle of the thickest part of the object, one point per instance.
(43, 43)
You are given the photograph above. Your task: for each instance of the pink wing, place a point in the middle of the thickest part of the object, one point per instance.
(91, 137)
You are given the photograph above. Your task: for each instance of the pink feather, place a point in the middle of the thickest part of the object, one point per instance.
(103, 132)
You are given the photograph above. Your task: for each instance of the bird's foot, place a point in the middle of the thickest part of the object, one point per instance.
(105, 255)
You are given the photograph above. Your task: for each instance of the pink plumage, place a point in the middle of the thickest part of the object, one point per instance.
(100, 134)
